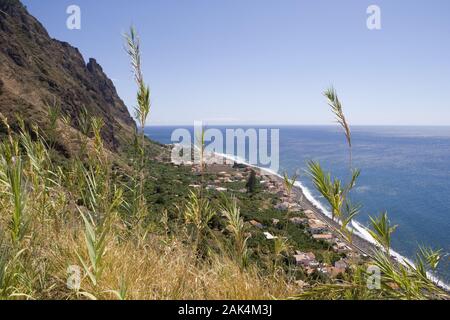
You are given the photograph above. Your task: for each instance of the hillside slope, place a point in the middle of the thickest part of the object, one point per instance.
(36, 70)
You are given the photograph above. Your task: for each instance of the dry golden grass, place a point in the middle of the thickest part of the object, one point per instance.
(157, 269)
(171, 271)
(52, 219)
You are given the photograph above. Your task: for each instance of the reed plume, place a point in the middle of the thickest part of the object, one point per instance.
(336, 108)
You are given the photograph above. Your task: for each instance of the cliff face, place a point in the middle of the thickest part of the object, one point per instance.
(36, 69)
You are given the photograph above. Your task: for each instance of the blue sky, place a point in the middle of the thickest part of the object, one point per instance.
(268, 61)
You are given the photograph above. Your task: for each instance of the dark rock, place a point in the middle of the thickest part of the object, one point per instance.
(16, 56)
(35, 69)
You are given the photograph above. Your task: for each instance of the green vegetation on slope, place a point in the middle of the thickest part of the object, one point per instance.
(104, 225)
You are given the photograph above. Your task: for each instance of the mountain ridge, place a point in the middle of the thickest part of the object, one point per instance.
(37, 70)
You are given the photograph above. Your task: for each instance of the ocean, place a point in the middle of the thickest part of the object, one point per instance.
(404, 171)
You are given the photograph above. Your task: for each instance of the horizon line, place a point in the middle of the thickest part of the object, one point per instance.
(295, 125)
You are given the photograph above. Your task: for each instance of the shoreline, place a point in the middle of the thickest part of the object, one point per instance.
(362, 245)
(360, 242)
(301, 197)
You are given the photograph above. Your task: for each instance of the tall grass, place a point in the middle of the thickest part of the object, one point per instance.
(399, 280)
(99, 222)
(86, 201)
(54, 217)
(13, 182)
(332, 189)
(336, 108)
(289, 183)
(197, 213)
(236, 225)
(381, 231)
(142, 111)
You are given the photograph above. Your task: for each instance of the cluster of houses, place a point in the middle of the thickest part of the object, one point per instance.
(287, 201)
(224, 173)
(319, 230)
(307, 260)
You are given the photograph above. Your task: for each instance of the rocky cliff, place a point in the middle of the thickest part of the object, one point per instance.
(36, 70)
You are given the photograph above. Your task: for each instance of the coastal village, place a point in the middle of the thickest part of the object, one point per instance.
(223, 173)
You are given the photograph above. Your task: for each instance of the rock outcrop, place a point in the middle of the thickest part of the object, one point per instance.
(36, 70)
